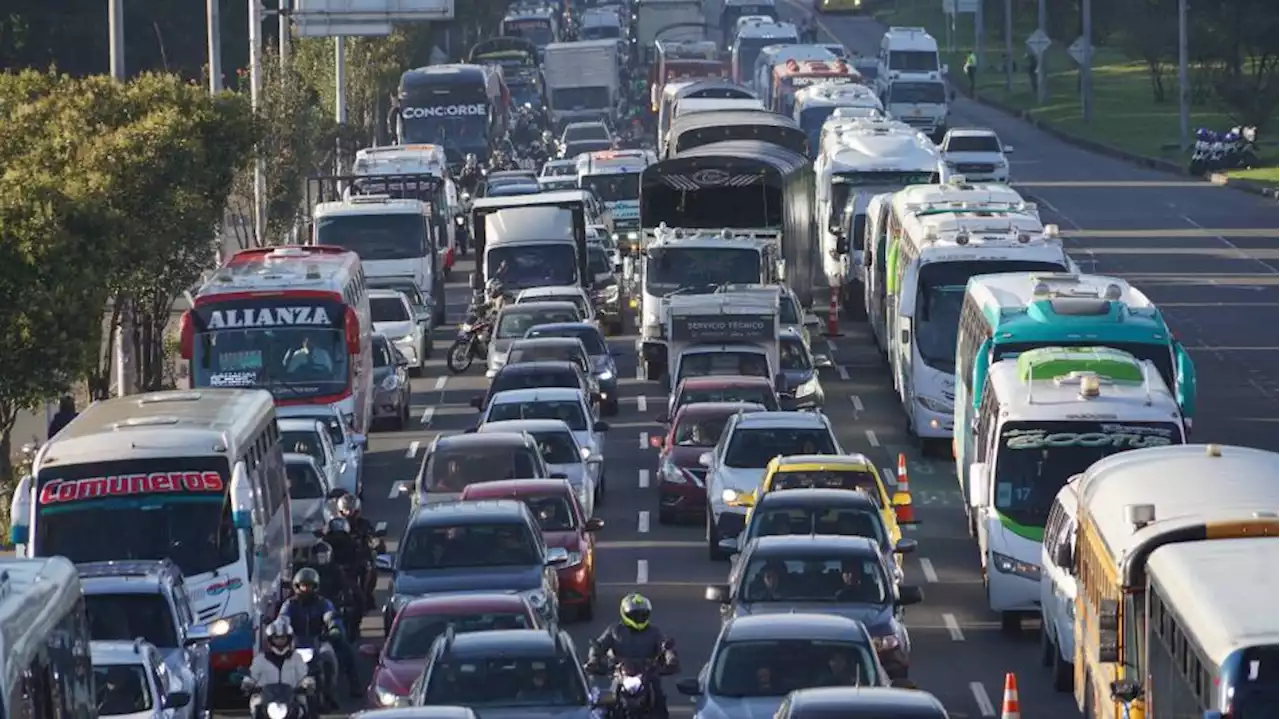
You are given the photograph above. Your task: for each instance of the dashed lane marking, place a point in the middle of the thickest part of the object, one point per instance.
(642, 404)
(644, 440)
(983, 701)
(440, 382)
(640, 373)
(413, 449)
(644, 479)
(871, 437)
(857, 405)
(844, 373)
(397, 489)
(953, 627)
(926, 566)
(428, 414)
(643, 524)
(642, 571)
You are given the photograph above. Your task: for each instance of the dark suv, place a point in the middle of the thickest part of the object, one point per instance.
(490, 545)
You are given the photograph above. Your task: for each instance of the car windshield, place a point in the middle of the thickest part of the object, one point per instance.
(548, 352)
(777, 667)
(752, 448)
(412, 635)
(815, 578)
(557, 447)
(560, 169)
(691, 268)
(1035, 459)
(751, 394)
(841, 521)
(788, 310)
(553, 513)
(794, 355)
(598, 260)
(382, 353)
(303, 442)
(973, 143)
(121, 689)
(508, 681)
(568, 411)
(719, 364)
(700, 431)
(514, 322)
(304, 481)
(125, 617)
(544, 377)
(453, 470)
(468, 545)
(616, 187)
(929, 93)
(851, 479)
(590, 336)
(388, 309)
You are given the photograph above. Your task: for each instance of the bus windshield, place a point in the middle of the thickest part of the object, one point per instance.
(672, 269)
(618, 187)
(376, 237)
(536, 31)
(147, 509)
(294, 347)
(873, 182)
(1035, 459)
(939, 296)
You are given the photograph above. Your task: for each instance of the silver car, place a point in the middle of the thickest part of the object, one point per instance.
(513, 321)
(560, 450)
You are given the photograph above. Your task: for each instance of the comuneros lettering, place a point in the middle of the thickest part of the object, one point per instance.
(74, 490)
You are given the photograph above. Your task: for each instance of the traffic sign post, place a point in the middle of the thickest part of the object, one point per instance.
(1037, 43)
(1079, 51)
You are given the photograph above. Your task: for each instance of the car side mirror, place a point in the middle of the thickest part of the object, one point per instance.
(595, 524)
(380, 532)
(476, 401)
(905, 546)
(909, 594)
(557, 556)
(600, 427)
(842, 243)
(822, 362)
(385, 563)
(729, 546)
(1008, 149)
(689, 687)
(360, 441)
(662, 419)
(177, 700)
(704, 459)
(197, 634)
(718, 593)
(558, 475)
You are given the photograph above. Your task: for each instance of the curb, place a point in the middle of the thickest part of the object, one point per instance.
(1253, 187)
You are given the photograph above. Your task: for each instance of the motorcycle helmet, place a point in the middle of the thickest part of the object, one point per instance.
(306, 582)
(321, 553)
(636, 611)
(1232, 136)
(348, 506)
(279, 636)
(546, 136)
(471, 159)
(339, 525)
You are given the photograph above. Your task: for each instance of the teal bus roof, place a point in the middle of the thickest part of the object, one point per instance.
(1042, 308)
(1049, 363)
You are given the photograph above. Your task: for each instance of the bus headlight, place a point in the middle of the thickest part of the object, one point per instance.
(934, 405)
(1008, 565)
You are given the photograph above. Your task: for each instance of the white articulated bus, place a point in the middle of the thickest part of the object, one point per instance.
(1044, 417)
(938, 237)
(197, 477)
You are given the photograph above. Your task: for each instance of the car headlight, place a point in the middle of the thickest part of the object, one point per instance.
(672, 474)
(934, 405)
(886, 643)
(390, 382)
(617, 236)
(606, 375)
(575, 558)
(1008, 565)
(406, 340)
(277, 710)
(633, 236)
(808, 387)
(385, 697)
(729, 496)
(610, 293)
(464, 327)
(227, 625)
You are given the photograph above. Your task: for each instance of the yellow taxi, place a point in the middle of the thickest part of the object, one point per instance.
(836, 471)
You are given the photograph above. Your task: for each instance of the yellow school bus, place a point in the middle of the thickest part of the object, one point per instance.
(1130, 505)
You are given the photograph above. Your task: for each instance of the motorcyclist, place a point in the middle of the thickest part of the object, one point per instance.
(470, 175)
(316, 625)
(634, 639)
(278, 664)
(331, 580)
(366, 536)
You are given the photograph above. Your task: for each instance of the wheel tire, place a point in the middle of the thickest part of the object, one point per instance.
(714, 553)
(459, 358)
(1064, 673)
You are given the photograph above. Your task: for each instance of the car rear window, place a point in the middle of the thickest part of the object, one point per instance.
(304, 482)
(533, 380)
(493, 544)
(754, 447)
(547, 353)
(755, 395)
(829, 479)
(453, 470)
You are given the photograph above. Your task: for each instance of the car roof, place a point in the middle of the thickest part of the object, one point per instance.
(119, 652)
(716, 381)
(506, 642)
(835, 461)
(308, 424)
(524, 425)
(468, 512)
(818, 497)
(538, 394)
(476, 440)
(545, 341)
(558, 326)
(471, 601)
(794, 626)
(384, 292)
(540, 305)
(972, 132)
(552, 291)
(782, 419)
(876, 701)
(784, 544)
(716, 409)
(431, 712)
(518, 488)
(538, 366)
(300, 458)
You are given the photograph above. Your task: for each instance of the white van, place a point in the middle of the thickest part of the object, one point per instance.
(1058, 587)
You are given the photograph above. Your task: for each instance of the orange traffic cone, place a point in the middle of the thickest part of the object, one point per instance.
(902, 508)
(1009, 706)
(833, 314)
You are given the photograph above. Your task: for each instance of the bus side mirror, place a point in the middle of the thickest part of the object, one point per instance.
(241, 498)
(1185, 381)
(978, 484)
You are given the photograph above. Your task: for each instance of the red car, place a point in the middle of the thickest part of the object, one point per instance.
(722, 388)
(682, 486)
(399, 661)
(564, 525)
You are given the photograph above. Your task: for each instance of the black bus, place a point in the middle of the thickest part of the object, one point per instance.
(459, 107)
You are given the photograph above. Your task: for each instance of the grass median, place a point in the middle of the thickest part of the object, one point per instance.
(1125, 113)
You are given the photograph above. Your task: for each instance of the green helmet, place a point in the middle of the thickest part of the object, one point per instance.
(636, 611)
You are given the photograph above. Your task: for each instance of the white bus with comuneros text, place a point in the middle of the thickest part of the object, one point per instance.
(868, 158)
(938, 237)
(1044, 417)
(197, 477)
(813, 105)
(293, 320)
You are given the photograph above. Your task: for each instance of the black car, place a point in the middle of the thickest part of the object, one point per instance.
(602, 358)
(861, 703)
(392, 390)
(505, 674)
(490, 545)
(845, 576)
(451, 463)
(535, 375)
(822, 511)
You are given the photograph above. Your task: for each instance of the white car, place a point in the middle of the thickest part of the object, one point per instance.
(975, 153)
(132, 681)
(566, 404)
(348, 445)
(560, 168)
(309, 436)
(563, 455)
(393, 316)
(308, 493)
(736, 466)
(576, 295)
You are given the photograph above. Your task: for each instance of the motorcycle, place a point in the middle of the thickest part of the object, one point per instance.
(281, 701)
(1236, 148)
(633, 682)
(471, 344)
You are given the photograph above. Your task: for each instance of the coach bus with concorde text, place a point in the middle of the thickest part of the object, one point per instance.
(462, 108)
(197, 477)
(289, 319)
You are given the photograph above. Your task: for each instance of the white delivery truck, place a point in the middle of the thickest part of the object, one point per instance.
(582, 80)
(723, 333)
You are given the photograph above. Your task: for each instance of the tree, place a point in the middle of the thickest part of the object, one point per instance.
(1149, 31)
(1237, 39)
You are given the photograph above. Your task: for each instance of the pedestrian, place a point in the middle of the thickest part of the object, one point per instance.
(66, 413)
(1033, 72)
(971, 72)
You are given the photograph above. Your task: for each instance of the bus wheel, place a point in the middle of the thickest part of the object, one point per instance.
(1064, 673)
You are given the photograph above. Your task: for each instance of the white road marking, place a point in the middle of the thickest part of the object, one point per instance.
(644, 440)
(831, 349)
(428, 414)
(909, 527)
(643, 525)
(890, 478)
(871, 437)
(642, 571)
(953, 627)
(980, 697)
(926, 566)
(440, 382)
(642, 404)
(644, 479)
(857, 404)
(397, 489)
(844, 373)
(413, 449)
(640, 372)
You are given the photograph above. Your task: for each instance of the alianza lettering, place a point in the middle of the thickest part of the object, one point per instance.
(73, 490)
(268, 317)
